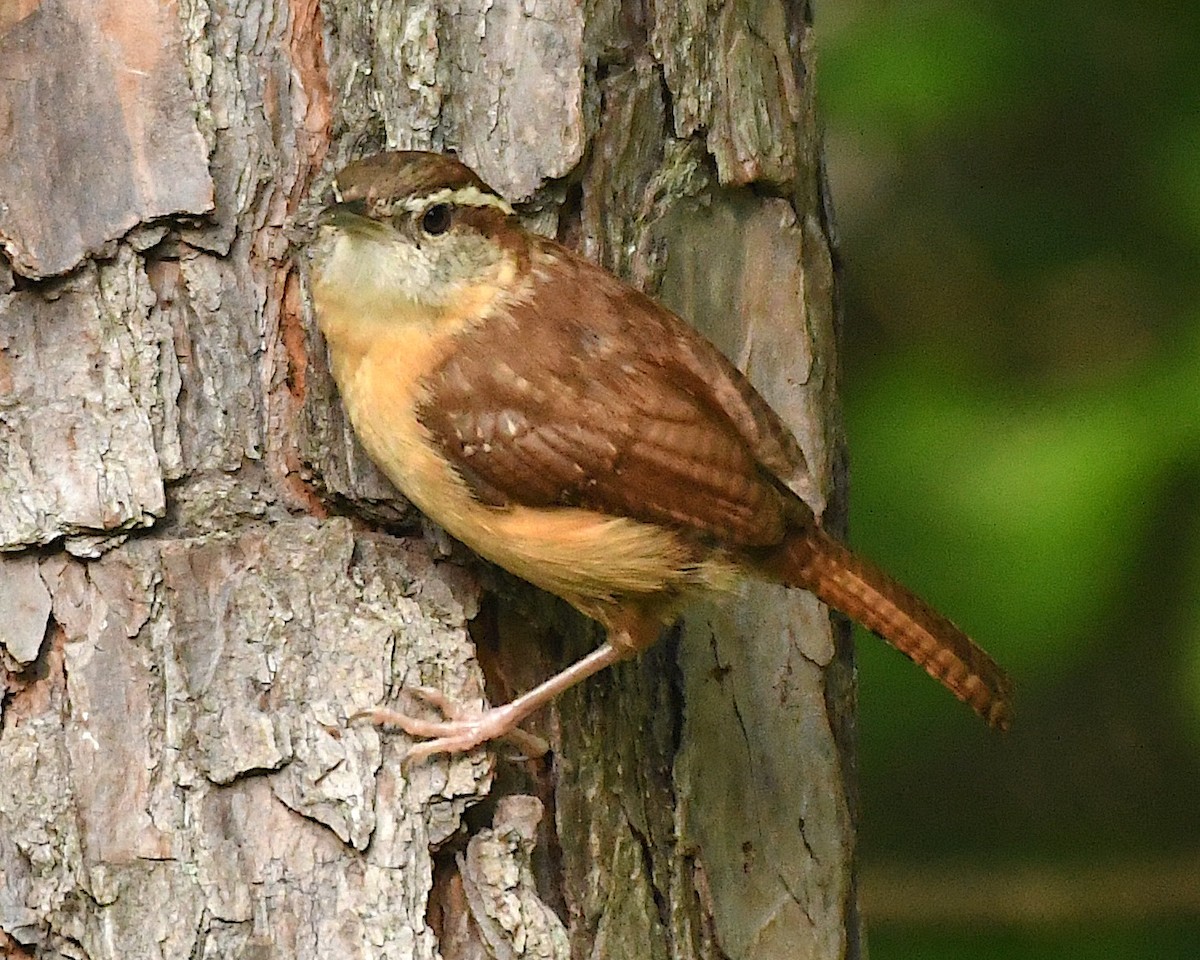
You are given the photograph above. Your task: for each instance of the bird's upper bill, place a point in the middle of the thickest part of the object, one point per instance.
(346, 215)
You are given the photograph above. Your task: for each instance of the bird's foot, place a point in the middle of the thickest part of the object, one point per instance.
(462, 728)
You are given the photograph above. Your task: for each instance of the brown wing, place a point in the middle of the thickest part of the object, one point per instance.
(588, 394)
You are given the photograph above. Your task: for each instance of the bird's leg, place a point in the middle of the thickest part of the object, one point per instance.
(465, 728)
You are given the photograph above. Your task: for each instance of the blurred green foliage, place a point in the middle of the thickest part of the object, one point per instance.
(1175, 941)
(1017, 187)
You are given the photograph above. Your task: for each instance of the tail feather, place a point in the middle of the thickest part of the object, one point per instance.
(817, 562)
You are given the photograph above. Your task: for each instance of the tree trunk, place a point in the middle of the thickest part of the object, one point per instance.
(204, 577)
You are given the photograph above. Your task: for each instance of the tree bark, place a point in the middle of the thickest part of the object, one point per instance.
(204, 577)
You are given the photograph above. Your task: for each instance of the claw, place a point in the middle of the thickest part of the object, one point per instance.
(463, 729)
(468, 727)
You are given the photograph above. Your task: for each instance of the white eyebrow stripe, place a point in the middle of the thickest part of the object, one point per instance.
(463, 196)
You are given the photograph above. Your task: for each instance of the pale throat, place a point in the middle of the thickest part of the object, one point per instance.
(365, 294)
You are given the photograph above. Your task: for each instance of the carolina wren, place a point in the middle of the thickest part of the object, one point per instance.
(568, 428)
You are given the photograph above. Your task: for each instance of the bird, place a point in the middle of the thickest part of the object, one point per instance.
(572, 430)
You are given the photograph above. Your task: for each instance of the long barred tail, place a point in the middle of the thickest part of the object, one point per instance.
(816, 562)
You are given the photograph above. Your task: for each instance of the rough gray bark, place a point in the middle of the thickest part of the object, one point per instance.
(203, 577)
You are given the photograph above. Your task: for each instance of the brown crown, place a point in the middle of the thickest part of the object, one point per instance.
(405, 173)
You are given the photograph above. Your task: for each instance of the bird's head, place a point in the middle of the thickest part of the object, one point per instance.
(411, 232)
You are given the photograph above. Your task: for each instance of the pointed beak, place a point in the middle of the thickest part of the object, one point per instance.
(345, 215)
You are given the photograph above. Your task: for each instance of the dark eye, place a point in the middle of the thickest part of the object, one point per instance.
(436, 219)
